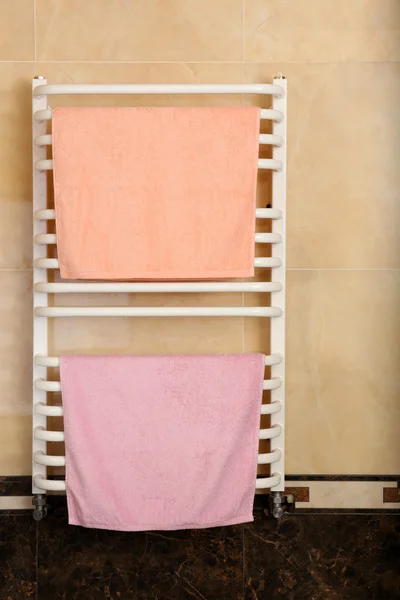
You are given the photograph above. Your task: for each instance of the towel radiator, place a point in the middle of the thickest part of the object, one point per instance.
(276, 212)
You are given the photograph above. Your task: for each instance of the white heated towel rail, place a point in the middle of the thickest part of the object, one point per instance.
(275, 433)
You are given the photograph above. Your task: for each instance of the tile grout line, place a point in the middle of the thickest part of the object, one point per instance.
(379, 269)
(243, 9)
(34, 29)
(206, 62)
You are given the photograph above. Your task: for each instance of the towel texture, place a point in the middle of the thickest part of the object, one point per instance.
(155, 193)
(161, 442)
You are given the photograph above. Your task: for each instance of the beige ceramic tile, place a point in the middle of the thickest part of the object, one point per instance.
(321, 30)
(15, 343)
(16, 503)
(95, 335)
(90, 335)
(343, 177)
(144, 30)
(191, 335)
(197, 335)
(15, 165)
(15, 233)
(256, 334)
(15, 445)
(16, 30)
(348, 494)
(343, 356)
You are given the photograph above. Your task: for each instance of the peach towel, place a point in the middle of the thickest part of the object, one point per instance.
(155, 193)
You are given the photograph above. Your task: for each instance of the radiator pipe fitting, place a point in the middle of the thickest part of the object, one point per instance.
(40, 510)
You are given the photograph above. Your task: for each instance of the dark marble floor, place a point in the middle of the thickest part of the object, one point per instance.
(304, 557)
(17, 556)
(318, 557)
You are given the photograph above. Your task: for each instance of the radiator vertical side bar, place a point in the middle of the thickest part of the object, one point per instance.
(279, 274)
(40, 338)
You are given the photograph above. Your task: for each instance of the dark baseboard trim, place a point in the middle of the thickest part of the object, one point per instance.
(15, 512)
(342, 477)
(347, 511)
(15, 485)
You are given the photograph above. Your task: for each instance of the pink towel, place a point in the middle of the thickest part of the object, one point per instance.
(161, 442)
(155, 193)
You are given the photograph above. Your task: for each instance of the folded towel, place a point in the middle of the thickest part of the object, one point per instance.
(155, 193)
(161, 442)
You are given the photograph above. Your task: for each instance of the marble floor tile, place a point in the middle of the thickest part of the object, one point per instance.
(17, 557)
(76, 563)
(330, 557)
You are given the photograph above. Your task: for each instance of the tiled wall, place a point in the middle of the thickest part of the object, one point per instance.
(341, 60)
